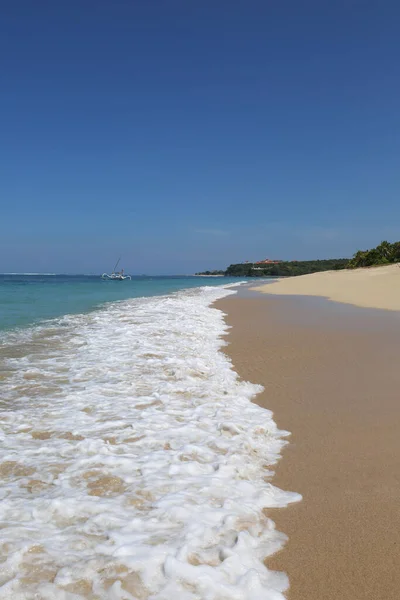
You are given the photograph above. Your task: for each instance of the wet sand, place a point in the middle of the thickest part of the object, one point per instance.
(332, 377)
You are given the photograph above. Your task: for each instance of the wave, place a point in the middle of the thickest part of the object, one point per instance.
(134, 463)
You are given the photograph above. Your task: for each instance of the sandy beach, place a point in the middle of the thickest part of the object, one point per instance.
(375, 287)
(331, 377)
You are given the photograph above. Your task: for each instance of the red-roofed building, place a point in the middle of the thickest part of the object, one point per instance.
(268, 261)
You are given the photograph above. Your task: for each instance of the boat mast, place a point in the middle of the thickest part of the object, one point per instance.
(116, 264)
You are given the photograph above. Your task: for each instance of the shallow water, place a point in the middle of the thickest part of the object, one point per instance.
(133, 463)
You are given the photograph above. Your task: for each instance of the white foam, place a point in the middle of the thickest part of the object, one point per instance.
(133, 463)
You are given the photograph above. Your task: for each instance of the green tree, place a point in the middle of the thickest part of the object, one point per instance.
(383, 254)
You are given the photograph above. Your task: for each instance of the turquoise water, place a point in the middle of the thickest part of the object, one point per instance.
(29, 299)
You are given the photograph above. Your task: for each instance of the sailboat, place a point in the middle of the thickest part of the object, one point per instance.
(116, 275)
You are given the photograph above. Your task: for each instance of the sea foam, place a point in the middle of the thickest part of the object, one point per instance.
(134, 464)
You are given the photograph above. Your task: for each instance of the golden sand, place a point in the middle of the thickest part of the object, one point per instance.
(375, 287)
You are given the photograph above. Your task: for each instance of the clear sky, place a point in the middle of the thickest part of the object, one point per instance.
(189, 134)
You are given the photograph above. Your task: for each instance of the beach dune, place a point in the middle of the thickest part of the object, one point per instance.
(373, 287)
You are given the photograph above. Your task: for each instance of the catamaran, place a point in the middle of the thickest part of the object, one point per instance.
(116, 275)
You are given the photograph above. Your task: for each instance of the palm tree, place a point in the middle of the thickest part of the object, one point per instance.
(385, 249)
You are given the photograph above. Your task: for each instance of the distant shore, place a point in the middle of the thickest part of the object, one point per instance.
(331, 377)
(373, 287)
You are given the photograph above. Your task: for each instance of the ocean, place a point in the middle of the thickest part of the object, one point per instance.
(133, 463)
(29, 298)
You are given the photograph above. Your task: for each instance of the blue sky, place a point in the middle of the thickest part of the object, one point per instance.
(191, 134)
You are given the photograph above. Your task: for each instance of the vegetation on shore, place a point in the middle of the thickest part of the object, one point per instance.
(385, 253)
(285, 269)
(213, 273)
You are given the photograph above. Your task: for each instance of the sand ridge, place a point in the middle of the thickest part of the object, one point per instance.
(372, 287)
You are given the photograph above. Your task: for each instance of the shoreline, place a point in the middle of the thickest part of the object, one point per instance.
(331, 378)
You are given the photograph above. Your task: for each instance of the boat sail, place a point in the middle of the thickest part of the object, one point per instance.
(116, 275)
